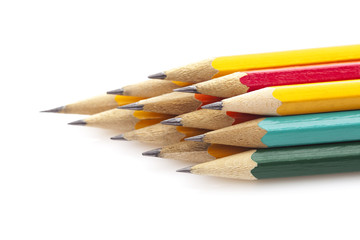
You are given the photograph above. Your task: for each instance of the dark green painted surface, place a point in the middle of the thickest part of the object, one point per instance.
(307, 160)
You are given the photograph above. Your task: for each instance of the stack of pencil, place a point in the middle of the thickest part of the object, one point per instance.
(249, 117)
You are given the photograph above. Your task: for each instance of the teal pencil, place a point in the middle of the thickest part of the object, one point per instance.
(288, 131)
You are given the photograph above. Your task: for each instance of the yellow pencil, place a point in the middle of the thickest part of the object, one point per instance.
(295, 99)
(220, 66)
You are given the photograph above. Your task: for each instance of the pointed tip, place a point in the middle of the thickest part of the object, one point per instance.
(187, 89)
(172, 121)
(152, 153)
(119, 91)
(185, 169)
(119, 137)
(132, 106)
(198, 138)
(78, 122)
(55, 110)
(160, 75)
(214, 106)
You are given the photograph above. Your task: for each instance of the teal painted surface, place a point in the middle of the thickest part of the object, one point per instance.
(311, 129)
(307, 160)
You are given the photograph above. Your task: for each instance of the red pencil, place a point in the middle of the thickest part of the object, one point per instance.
(243, 82)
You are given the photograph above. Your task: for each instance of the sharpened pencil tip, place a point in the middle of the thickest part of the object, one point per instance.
(188, 89)
(214, 106)
(55, 110)
(119, 91)
(152, 153)
(185, 169)
(78, 122)
(198, 138)
(119, 137)
(172, 121)
(160, 75)
(132, 106)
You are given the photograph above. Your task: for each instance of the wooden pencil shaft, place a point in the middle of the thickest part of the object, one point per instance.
(216, 67)
(285, 162)
(176, 103)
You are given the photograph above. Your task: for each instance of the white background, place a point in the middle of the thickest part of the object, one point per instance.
(70, 182)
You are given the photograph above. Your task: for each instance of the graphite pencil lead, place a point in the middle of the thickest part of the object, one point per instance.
(119, 137)
(152, 153)
(185, 169)
(172, 121)
(198, 138)
(188, 89)
(55, 110)
(214, 106)
(160, 75)
(119, 91)
(132, 106)
(78, 122)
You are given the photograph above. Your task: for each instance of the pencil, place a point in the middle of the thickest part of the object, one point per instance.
(288, 131)
(284, 162)
(96, 104)
(149, 88)
(295, 99)
(160, 134)
(122, 120)
(172, 103)
(220, 66)
(242, 82)
(196, 152)
(209, 119)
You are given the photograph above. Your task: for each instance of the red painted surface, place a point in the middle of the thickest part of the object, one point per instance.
(206, 99)
(298, 75)
(241, 117)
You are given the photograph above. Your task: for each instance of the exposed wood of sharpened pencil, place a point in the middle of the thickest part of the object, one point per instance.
(160, 134)
(295, 99)
(122, 120)
(284, 162)
(172, 103)
(288, 131)
(96, 104)
(242, 82)
(149, 88)
(220, 66)
(209, 119)
(196, 152)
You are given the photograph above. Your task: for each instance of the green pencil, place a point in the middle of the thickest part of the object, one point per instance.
(283, 162)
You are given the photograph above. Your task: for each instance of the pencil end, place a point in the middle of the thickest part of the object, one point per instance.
(152, 153)
(78, 122)
(172, 121)
(214, 106)
(187, 89)
(55, 110)
(119, 137)
(185, 169)
(198, 138)
(160, 75)
(119, 91)
(132, 106)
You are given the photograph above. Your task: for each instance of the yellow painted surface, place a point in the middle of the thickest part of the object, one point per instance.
(124, 100)
(190, 132)
(230, 64)
(318, 97)
(150, 115)
(181, 84)
(220, 151)
(147, 122)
